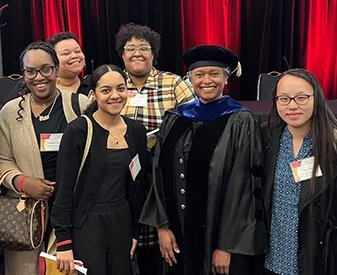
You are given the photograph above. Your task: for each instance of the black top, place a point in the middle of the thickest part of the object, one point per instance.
(71, 207)
(84, 86)
(115, 176)
(55, 124)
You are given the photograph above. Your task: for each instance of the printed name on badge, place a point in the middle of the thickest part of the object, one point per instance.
(50, 142)
(302, 169)
(135, 167)
(139, 100)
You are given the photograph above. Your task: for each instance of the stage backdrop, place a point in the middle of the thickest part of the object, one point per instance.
(267, 35)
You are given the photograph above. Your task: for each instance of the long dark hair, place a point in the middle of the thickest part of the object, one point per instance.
(38, 45)
(323, 127)
(95, 77)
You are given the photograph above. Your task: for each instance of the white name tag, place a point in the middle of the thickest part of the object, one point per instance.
(135, 167)
(139, 100)
(50, 142)
(302, 169)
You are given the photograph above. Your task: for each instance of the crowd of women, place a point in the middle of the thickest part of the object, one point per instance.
(218, 193)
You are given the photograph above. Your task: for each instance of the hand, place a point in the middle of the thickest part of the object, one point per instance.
(133, 247)
(168, 245)
(220, 262)
(65, 261)
(39, 189)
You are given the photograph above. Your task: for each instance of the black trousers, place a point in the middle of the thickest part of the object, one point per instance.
(239, 265)
(246, 265)
(149, 260)
(268, 272)
(104, 241)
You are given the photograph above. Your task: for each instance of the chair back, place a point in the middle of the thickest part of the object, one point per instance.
(7, 83)
(266, 85)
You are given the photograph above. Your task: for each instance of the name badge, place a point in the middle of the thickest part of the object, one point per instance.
(139, 100)
(302, 169)
(50, 142)
(135, 167)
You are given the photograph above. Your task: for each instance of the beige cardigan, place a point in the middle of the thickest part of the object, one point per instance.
(19, 151)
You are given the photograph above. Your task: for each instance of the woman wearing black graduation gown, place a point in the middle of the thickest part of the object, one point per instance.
(206, 194)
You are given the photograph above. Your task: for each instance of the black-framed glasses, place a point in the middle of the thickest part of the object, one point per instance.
(284, 100)
(45, 71)
(141, 48)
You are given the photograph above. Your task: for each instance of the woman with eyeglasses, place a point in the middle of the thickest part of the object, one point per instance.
(300, 179)
(150, 93)
(71, 65)
(31, 128)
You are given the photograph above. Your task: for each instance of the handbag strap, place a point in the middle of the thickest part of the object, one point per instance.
(31, 229)
(86, 149)
(52, 238)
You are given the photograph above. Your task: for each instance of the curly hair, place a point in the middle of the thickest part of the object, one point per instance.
(38, 45)
(131, 30)
(56, 38)
(323, 126)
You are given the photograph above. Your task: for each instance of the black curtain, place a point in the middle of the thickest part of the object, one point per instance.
(102, 19)
(16, 33)
(272, 38)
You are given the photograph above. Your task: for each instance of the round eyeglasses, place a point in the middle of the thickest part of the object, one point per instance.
(141, 48)
(31, 73)
(284, 100)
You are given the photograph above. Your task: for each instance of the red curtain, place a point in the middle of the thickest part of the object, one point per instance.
(53, 17)
(56, 15)
(329, 78)
(220, 22)
(37, 19)
(321, 55)
(235, 24)
(214, 22)
(211, 22)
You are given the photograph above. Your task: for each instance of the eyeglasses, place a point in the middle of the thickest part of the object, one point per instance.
(284, 100)
(141, 48)
(31, 73)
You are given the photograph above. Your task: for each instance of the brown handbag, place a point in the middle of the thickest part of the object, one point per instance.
(21, 230)
(22, 220)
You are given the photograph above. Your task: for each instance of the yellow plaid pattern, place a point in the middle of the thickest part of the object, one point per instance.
(164, 91)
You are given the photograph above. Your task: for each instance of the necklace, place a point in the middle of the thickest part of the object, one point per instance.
(44, 106)
(119, 129)
(116, 139)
